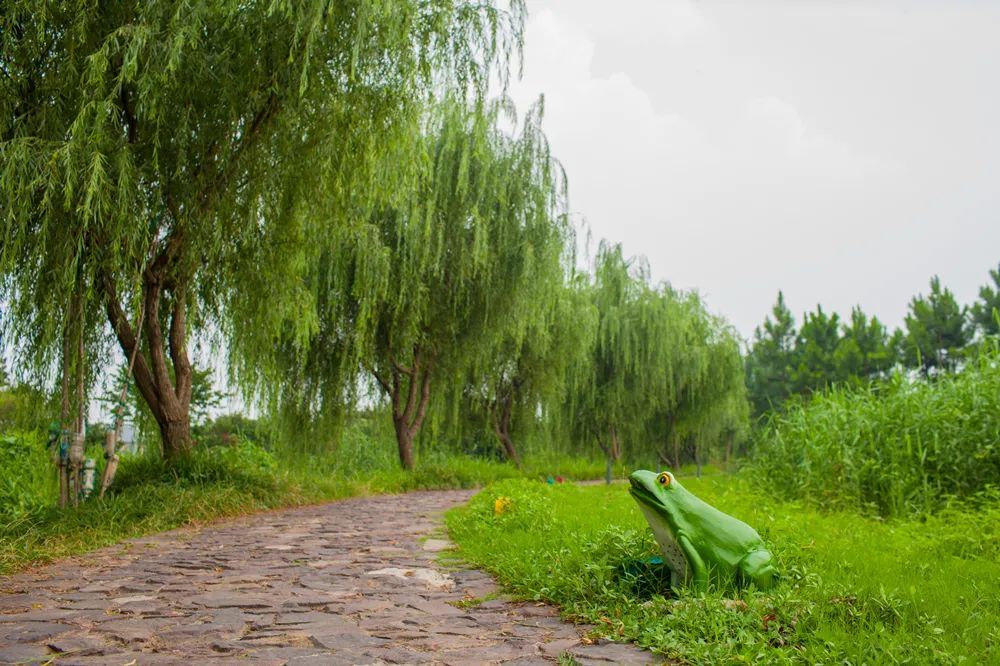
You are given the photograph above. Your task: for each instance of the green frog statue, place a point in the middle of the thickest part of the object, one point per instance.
(699, 542)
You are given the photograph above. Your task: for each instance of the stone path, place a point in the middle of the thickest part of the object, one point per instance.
(344, 583)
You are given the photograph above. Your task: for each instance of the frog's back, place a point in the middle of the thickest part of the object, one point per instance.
(722, 537)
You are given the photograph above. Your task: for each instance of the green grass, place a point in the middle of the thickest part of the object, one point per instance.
(894, 448)
(855, 589)
(150, 497)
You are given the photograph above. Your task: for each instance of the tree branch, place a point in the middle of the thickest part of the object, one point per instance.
(400, 367)
(127, 338)
(411, 398)
(247, 139)
(395, 395)
(178, 346)
(129, 114)
(152, 289)
(425, 393)
(380, 380)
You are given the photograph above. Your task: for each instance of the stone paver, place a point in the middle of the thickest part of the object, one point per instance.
(350, 582)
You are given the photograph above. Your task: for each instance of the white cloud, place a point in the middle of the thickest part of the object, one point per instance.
(734, 171)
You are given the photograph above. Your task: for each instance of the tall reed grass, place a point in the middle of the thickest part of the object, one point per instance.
(901, 447)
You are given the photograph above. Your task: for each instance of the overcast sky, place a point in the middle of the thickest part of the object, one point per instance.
(843, 152)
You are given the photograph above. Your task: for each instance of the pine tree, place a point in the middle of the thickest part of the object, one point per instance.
(815, 346)
(863, 352)
(937, 330)
(986, 311)
(771, 362)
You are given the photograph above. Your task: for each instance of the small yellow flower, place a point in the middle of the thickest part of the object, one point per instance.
(502, 505)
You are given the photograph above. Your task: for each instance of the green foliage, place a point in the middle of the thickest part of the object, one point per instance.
(520, 384)
(985, 312)
(228, 429)
(711, 408)
(901, 447)
(863, 351)
(785, 364)
(769, 364)
(184, 159)
(629, 373)
(27, 477)
(455, 263)
(815, 347)
(660, 367)
(854, 589)
(23, 407)
(936, 330)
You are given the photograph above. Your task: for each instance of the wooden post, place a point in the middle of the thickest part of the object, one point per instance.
(111, 456)
(63, 468)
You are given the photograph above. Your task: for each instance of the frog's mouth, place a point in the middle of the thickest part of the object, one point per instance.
(643, 496)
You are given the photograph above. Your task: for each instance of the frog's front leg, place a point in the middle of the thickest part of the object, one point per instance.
(757, 567)
(699, 572)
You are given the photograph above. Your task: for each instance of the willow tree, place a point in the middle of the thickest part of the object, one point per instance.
(709, 406)
(627, 374)
(442, 271)
(661, 367)
(163, 161)
(526, 376)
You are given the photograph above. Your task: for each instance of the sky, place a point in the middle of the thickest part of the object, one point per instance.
(843, 152)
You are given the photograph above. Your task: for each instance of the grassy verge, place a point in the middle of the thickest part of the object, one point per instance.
(150, 497)
(855, 590)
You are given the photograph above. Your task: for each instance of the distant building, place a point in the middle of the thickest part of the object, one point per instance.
(128, 442)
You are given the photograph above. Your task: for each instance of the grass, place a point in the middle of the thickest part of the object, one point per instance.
(855, 589)
(896, 448)
(221, 482)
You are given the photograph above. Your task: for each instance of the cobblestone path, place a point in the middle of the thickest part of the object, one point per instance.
(350, 582)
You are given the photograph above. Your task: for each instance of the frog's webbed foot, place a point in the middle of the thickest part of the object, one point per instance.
(757, 567)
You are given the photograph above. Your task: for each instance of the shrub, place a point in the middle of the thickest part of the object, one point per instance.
(513, 504)
(243, 464)
(894, 448)
(27, 476)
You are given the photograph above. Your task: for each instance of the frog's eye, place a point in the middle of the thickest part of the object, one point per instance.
(663, 479)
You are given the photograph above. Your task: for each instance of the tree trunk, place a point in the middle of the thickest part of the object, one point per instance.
(508, 448)
(175, 433)
(612, 451)
(616, 445)
(730, 436)
(404, 442)
(501, 426)
(164, 383)
(409, 392)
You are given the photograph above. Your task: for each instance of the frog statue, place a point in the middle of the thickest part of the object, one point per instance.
(699, 542)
